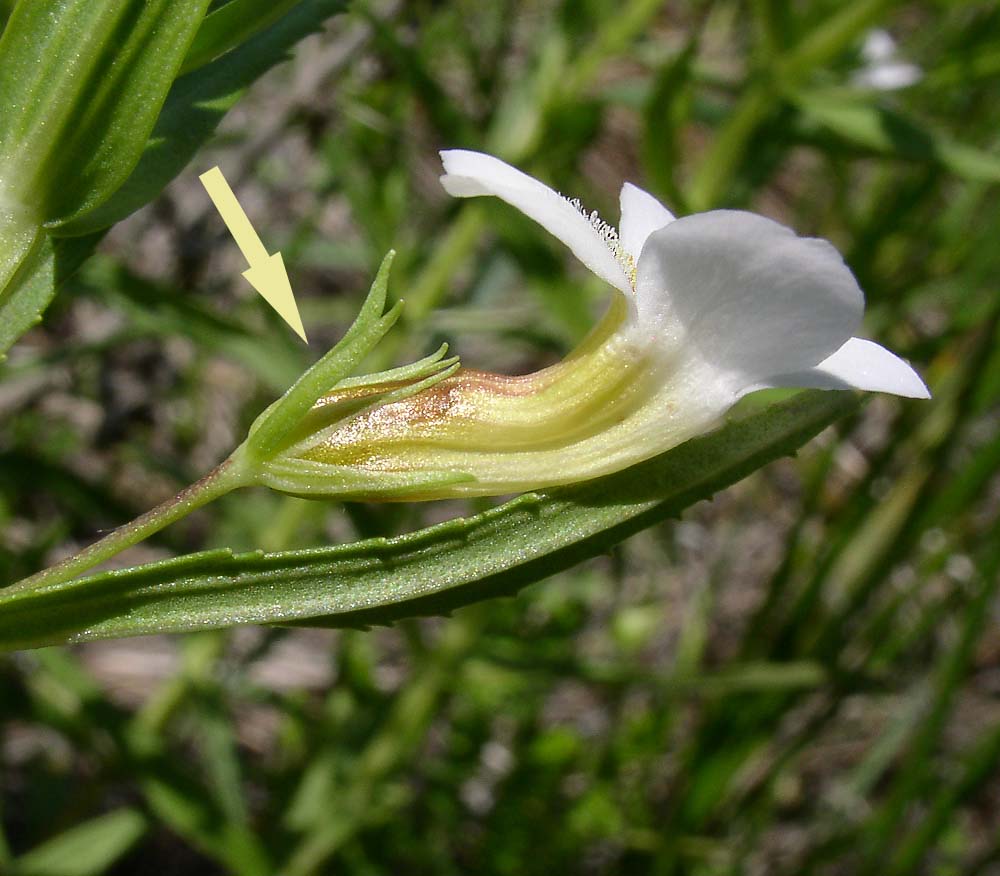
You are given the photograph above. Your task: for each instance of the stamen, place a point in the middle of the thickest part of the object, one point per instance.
(610, 236)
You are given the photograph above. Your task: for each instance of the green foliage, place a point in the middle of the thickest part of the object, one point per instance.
(798, 678)
(433, 571)
(102, 135)
(889, 132)
(86, 850)
(83, 118)
(198, 100)
(228, 26)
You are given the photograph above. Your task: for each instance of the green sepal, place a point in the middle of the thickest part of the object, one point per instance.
(368, 328)
(310, 433)
(309, 479)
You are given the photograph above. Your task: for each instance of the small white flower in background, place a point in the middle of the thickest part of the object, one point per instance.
(708, 308)
(883, 70)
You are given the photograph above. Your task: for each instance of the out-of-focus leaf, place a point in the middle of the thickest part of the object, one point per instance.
(831, 35)
(967, 69)
(431, 571)
(891, 133)
(81, 85)
(225, 28)
(196, 105)
(86, 850)
(36, 282)
(667, 108)
(159, 310)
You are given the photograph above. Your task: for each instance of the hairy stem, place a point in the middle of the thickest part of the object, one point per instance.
(227, 476)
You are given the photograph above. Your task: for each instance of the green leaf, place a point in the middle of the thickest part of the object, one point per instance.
(227, 27)
(889, 132)
(36, 282)
(33, 264)
(86, 850)
(81, 83)
(431, 571)
(19, 235)
(196, 105)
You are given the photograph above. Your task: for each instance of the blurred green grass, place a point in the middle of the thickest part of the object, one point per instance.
(801, 677)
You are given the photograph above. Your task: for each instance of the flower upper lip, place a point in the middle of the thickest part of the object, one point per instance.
(757, 304)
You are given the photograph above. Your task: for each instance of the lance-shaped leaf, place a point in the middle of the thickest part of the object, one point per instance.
(81, 86)
(231, 25)
(431, 571)
(36, 281)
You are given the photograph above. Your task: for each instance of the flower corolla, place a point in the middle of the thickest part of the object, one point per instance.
(706, 309)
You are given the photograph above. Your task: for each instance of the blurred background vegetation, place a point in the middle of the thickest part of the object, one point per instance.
(800, 677)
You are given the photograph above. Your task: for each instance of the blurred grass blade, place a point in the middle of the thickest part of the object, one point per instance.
(229, 26)
(915, 774)
(976, 768)
(667, 109)
(196, 105)
(832, 35)
(761, 96)
(157, 309)
(89, 849)
(888, 132)
(431, 571)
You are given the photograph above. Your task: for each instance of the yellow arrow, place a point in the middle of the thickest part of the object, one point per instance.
(266, 272)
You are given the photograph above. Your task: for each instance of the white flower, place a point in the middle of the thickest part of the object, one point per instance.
(742, 301)
(882, 69)
(708, 308)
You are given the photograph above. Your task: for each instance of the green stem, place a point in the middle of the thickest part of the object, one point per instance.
(229, 475)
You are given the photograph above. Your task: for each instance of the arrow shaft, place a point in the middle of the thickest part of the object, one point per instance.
(266, 273)
(233, 215)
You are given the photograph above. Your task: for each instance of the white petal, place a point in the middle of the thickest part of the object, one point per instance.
(642, 214)
(890, 76)
(752, 298)
(468, 174)
(878, 45)
(860, 364)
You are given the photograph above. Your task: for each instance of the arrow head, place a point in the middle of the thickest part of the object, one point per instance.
(270, 279)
